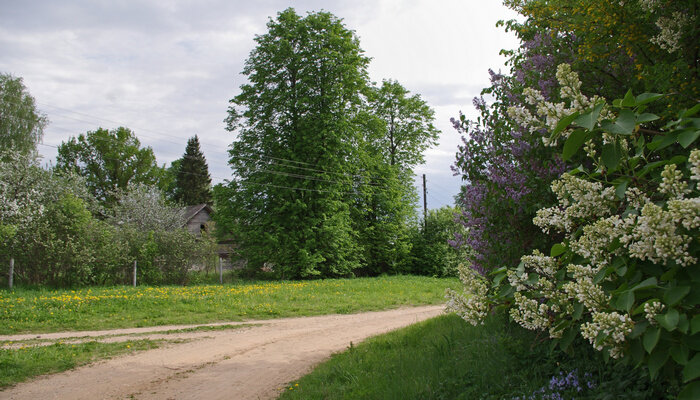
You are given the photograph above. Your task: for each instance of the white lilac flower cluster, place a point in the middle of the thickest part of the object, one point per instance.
(649, 5)
(671, 183)
(545, 267)
(530, 313)
(686, 212)
(694, 160)
(614, 326)
(671, 31)
(651, 309)
(538, 302)
(636, 198)
(593, 243)
(549, 114)
(578, 199)
(583, 289)
(473, 306)
(653, 235)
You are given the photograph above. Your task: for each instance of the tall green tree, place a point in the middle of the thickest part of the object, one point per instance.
(398, 129)
(21, 124)
(192, 182)
(295, 157)
(407, 129)
(109, 160)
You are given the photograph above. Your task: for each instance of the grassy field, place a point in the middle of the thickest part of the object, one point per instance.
(121, 307)
(17, 365)
(445, 358)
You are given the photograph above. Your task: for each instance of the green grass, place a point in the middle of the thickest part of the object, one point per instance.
(445, 358)
(122, 307)
(18, 365)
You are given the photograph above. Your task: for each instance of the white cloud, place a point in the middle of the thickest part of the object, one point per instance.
(167, 69)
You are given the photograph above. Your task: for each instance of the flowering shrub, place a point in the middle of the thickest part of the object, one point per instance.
(625, 277)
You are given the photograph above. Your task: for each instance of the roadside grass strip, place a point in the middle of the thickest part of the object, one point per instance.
(40, 311)
(119, 337)
(445, 358)
(23, 363)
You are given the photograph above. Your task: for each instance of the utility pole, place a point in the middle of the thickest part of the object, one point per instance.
(425, 207)
(11, 275)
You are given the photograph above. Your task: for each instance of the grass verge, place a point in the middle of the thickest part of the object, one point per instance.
(125, 307)
(18, 365)
(445, 358)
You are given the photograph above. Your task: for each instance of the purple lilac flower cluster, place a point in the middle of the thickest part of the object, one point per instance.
(538, 61)
(503, 168)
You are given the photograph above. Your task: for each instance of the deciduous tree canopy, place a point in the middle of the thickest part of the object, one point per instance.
(322, 160)
(21, 124)
(109, 160)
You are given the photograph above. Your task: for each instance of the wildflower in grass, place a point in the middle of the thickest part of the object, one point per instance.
(563, 386)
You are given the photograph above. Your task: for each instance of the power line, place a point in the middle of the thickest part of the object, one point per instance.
(237, 156)
(265, 184)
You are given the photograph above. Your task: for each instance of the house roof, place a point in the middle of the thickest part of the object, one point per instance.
(191, 211)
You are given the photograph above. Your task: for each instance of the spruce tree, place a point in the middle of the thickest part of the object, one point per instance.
(192, 182)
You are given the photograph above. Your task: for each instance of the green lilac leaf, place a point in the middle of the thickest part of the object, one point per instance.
(646, 117)
(564, 123)
(645, 98)
(690, 392)
(611, 156)
(646, 284)
(669, 320)
(573, 143)
(675, 294)
(628, 100)
(638, 329)
(657, 359)
(651, 338)
(567, 338)
(624, 125)
(625, 301)
(679, 353)
(557, 250)
(687, 138)
(621, 189)
(695, 325)
(689, 113)
(692, 369)
(589, 119)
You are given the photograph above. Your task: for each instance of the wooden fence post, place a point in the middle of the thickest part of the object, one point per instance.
(221, 272)
(134, 273)
(11, 276)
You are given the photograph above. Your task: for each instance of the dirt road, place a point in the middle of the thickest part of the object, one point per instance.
(248, 363)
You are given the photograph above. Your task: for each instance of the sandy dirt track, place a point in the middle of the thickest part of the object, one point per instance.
(247, 363)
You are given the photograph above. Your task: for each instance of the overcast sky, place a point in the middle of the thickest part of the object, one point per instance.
(166, 69)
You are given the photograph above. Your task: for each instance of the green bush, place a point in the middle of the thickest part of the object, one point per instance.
(431, 252)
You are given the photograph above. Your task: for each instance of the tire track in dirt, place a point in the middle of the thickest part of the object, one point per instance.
(247, 363)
